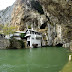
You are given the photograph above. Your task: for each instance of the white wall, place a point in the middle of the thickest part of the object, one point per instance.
(33, 40)
(18, 38)
(8, 36)
(17, 34)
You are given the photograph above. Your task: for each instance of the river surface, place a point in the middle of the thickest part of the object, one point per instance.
(50, 59)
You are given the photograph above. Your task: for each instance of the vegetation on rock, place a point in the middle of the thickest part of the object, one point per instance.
(29, 27)
(1, 27)
(22, 35)
(7, 30)
(16, 44)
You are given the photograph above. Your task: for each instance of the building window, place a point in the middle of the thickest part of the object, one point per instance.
(28, 37)
(32, 32)
(35, 32)
(28, 32)
(32, 38)
(38, 38)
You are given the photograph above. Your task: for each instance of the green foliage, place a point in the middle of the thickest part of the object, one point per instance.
(29, 27)
(1, 26)
(22, 35)
(8, 29)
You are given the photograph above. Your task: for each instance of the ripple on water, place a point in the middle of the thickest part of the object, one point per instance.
(6, 68)
(11, 68)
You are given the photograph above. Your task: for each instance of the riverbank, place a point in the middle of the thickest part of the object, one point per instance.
(67, 67)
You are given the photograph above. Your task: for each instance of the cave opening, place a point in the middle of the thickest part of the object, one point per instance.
(36, 5)
(59, 45)
(43, 26)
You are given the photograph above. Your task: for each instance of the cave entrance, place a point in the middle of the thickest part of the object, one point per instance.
(59, 45)
(43, 26)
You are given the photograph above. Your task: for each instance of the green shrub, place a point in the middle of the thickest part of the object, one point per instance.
(29, 27)
(22, 35)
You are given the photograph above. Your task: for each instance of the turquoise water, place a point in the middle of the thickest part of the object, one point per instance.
(33, 60)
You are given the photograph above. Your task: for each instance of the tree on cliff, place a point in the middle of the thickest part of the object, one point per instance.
(1, 27)
(7, 30)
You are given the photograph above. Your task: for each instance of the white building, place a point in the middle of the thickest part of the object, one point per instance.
(17, 34)
(33, 38)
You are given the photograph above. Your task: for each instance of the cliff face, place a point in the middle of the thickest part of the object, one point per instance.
(5, 15)
(24, 15)
(59, 12)
(55, 16)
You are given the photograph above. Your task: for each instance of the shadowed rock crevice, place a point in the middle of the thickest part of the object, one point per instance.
(59, 45)
(36, 5)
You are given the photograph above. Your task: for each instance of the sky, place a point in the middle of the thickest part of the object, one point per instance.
(6, 3)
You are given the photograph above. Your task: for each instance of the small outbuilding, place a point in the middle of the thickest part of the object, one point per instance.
(17, 34)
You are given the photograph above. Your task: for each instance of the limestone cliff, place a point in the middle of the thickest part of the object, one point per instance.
(5, 15)
(55, 16)
(59, 12)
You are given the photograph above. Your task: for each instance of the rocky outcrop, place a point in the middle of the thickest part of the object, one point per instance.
(53, 15)
(16, 44)
(24, 15)
(60, 12)
(71, 45)
(5, 15)
(66, 45)
(4, 43)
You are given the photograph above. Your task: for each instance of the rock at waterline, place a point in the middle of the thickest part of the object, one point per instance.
(71, 45)
(4, 43)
